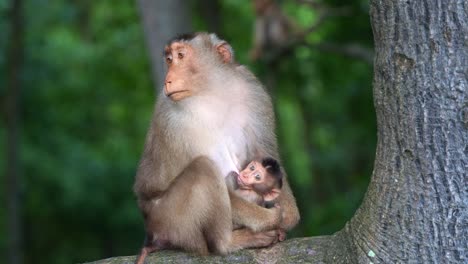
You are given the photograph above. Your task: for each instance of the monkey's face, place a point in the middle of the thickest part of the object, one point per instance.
(253, 174)
(191, 62)
(181, 71)
(256, 178)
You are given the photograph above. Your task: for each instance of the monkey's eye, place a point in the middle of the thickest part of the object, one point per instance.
(169, 59)
(252, 168)
(257, 177)
(180, 55)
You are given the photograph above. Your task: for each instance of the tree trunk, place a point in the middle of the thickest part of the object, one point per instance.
(14, 60)
(162, 20)
(415, 209)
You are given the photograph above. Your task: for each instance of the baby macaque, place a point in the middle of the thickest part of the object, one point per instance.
(260, 182)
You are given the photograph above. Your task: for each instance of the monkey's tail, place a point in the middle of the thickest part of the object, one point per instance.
(150, 245)
(142, 256)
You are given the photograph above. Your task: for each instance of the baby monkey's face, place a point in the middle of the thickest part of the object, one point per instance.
(254, 173)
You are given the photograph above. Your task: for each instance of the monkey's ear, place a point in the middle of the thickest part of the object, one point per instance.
(225, 51)
(272, 195)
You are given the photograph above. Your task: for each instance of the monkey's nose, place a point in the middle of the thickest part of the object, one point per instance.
(167, 85)
(244, 176)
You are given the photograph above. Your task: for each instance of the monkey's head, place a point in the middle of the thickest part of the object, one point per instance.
(264, 177)
(188, 58)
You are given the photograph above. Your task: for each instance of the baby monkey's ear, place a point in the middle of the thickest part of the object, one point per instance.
(271, 195)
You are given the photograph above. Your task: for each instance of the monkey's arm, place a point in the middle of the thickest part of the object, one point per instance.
(149, 182)
(144, 175)
(252, 216)
(289, 208)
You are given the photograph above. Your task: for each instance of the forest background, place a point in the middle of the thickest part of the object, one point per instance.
(87, 97)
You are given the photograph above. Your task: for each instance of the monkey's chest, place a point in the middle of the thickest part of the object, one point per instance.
(231, 151)
(225, 144)
(218, 131)
(227, 147)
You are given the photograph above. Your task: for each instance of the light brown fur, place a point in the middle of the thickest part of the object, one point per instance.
(193, 142)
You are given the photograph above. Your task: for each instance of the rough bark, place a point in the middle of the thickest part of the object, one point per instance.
(162, 20)
(13, 85)
(415, 209)
(298, 250)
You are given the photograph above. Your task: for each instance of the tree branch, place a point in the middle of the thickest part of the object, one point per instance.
(309, 249)
(349, 50)
(325, 14)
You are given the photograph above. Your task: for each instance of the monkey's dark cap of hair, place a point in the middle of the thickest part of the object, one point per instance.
(182, 37)
(273, 168)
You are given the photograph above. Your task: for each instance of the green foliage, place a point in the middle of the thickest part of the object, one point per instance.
(87, 100)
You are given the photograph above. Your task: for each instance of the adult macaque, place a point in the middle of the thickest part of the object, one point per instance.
(272, 28)
(259, 182)
(212, 117)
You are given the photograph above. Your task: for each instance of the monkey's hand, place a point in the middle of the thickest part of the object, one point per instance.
(267, 238)
(281, 235)
(246, 238)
